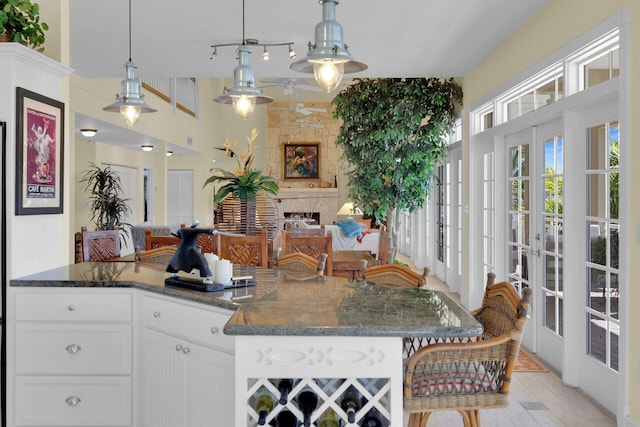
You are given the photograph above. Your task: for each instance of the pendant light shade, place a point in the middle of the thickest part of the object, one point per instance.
(129, 101)
(328, 59)
(244, 95)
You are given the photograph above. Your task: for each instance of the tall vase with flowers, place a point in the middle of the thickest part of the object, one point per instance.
(244, 183)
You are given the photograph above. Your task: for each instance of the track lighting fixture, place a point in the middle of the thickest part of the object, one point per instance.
(328, 58)
(244, 95)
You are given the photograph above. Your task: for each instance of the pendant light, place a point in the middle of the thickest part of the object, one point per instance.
(328, 59)
(244, 95)
(129, 101)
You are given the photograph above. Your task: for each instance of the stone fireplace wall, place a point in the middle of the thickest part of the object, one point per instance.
(304, 195)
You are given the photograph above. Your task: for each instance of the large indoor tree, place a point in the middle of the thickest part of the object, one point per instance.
(394, 132)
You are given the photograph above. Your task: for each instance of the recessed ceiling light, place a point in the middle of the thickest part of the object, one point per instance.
(88, 132)
(147, 147)
(169, 153)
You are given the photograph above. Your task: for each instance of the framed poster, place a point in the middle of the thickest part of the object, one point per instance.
(301, 160)
(39, 154)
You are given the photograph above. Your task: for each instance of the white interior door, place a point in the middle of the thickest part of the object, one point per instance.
(129, 182)
(180, 197)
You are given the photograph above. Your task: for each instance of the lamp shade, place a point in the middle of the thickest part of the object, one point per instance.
(349, 209)
(328, 59)
(129, 101)
(244, 95)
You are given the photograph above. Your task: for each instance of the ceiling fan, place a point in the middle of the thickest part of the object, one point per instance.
(302, 123)
(298, 107)
(288, 85)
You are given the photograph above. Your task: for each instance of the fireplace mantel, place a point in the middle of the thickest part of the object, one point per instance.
(307, 200)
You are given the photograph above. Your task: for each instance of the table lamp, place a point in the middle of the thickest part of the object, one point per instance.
(349, 209)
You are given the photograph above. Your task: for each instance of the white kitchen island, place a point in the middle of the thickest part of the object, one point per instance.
(108, 344)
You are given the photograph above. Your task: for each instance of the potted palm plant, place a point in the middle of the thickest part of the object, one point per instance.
(108, 208)
(20, 21)
(245, 183)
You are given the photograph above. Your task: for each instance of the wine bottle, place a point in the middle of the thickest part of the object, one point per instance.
(285, 386)
(263, 405)
(372, 419)
(287, 419)
(350, 403)
(329, 419)
(307, 401)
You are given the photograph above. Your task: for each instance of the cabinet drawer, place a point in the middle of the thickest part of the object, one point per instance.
(73, 349)
(73, 401)
(74, 306)
(188, 321)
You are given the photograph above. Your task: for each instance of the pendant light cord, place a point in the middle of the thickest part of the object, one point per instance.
(243, 39)
(130, 30)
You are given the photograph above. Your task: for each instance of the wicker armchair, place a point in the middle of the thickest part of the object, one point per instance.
(467, 377)
(393, 275)
(299, 262)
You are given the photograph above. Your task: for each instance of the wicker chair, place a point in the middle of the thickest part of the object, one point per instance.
(467, 377)
(299, 261)
(393, 275)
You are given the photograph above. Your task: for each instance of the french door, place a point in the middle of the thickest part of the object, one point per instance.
(535, 224)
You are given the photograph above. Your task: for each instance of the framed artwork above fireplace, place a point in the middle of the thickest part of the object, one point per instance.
(301, 160)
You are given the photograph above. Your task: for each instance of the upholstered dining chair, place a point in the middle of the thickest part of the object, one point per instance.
(314, 246)
(101, 245)
(298, 261)
(467, 377)
(246, 250)
(393, 275)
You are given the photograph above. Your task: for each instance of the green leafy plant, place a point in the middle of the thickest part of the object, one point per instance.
(394, 132)
(108, 208)
(246, 182)
(20, 19)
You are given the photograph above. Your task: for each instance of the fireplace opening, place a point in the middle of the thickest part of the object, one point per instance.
(311, 218)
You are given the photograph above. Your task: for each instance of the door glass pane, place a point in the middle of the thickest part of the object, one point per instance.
(518, 215)
(552, 235)
(602, 234)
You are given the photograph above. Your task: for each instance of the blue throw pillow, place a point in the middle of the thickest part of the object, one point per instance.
(350, 228)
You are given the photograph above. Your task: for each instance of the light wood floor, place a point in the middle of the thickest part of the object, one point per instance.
(537, 399)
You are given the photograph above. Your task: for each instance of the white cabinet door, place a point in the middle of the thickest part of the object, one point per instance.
(185, 384)
(162, 396)
(209, 388)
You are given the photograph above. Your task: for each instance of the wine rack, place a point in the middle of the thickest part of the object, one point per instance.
(374, 396)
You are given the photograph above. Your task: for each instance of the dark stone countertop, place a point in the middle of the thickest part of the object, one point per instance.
(285, 303)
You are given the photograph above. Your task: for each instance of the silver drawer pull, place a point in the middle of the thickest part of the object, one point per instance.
(178, 347)
(186, 350)
(73, 348)
(156, 314)
(72, 400)
(71, 307)
(214, 330)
